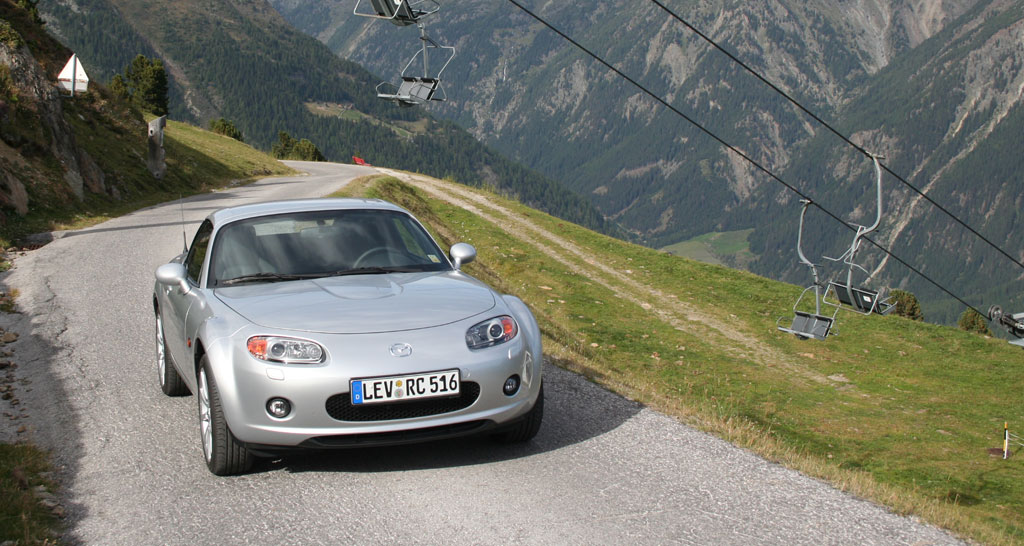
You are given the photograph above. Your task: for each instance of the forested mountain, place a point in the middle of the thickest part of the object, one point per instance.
(933, 86)
(240, 60)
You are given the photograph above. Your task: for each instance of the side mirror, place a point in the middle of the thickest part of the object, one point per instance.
(461, 254)
(173, 275)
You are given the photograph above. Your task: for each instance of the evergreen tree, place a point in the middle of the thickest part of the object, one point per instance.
(145, 82)
(905, 304)
(287, 147)
(973, 321)
(33, 10)
(284, 145)
(227, 128)
(307, 151)
(119, 88)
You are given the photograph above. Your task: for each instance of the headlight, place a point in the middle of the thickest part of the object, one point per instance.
(491, 332)
(282, 349)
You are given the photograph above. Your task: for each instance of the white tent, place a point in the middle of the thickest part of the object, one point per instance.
(72, 78)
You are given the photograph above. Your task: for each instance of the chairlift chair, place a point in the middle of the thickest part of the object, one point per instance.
(806, 325)
(416, 90)
(862, 300)
(399, 12)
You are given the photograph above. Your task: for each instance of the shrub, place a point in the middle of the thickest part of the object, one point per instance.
(227, 128)
(973, 321)
(905, 304)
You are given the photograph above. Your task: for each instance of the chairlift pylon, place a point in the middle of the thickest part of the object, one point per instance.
(862, 300)
(807, 325)
(413, 90)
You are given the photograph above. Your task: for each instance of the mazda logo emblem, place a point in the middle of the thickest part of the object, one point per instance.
(400, 349)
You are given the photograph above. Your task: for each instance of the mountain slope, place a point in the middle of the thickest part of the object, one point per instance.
(872, 68)
(950, 134)
(240, 60)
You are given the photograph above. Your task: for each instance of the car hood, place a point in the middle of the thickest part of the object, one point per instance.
(360, 303)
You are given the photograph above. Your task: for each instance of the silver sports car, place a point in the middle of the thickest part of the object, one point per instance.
(331, 323)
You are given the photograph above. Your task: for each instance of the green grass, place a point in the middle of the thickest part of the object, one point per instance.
(23, 520)
(404, 129)
(719, 248)
(329, 110)
(897, 411)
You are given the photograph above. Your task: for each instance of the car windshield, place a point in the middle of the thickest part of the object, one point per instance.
(307, 245)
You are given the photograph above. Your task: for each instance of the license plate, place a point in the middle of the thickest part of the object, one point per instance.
(405, 387)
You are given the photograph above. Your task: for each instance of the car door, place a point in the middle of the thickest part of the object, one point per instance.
(180, 302)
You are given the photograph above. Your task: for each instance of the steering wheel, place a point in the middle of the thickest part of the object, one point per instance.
(373, 251)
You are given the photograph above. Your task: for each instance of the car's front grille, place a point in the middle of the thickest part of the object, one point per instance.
(340, 406)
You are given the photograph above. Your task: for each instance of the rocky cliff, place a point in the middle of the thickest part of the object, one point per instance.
(33, 128)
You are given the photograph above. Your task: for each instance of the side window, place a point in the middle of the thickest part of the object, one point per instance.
(197, 252)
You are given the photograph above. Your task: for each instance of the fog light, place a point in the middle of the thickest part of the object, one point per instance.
(511, 385)
(279, 408)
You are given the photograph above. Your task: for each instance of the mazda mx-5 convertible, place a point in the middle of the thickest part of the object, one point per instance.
(331, 323)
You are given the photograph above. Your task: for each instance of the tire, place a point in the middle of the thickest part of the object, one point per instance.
(170, 382)
(224, 454)
(525, 430)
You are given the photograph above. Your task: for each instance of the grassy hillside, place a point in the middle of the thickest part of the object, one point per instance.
(197, 161)
(892, 410)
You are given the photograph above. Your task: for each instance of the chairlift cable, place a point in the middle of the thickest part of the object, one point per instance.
(735, 150)
(834, 131)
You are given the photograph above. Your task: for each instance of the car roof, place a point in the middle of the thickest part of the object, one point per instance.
(241, 212)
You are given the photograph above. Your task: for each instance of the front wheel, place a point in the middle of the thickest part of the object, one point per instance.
(170, 382)
(225, 455)
(526, 429)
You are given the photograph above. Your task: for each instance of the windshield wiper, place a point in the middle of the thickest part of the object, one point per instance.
(374, 271)
(269, 277)
(275, 277)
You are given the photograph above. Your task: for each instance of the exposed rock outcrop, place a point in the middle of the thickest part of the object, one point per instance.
(39, 111)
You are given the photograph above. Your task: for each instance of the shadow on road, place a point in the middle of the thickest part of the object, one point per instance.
(43, 395)
(575, 410)
(93, 231)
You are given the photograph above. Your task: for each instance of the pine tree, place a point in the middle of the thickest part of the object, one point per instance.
(282, 149)
(973, 321)
(227, 128)
(119, 88)
(288, 148)
(145, 82)
(905, 304)
(307, 151)
(33, 10)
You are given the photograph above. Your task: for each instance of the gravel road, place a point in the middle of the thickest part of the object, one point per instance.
(602, 470)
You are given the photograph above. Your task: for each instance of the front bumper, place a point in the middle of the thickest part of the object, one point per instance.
(246, 384)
